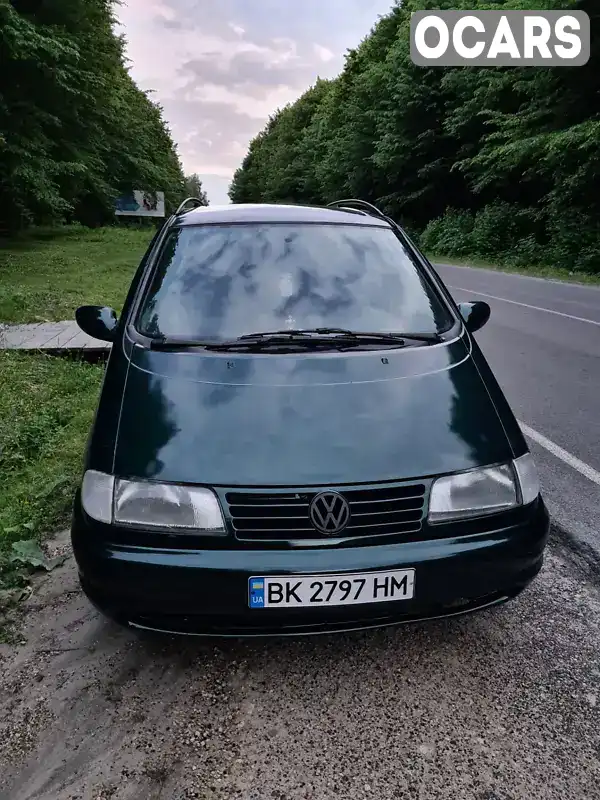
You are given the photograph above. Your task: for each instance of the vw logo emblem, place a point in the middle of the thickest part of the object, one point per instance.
(329, 512)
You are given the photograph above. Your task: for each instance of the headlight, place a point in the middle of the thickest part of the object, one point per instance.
(483, 491)
(97, 495)
(147, 504)
(527, 475)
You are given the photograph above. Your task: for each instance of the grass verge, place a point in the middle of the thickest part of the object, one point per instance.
(46, 274)
(46, 409)
(551, 273)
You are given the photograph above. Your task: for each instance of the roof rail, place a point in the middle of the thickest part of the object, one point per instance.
(195, 200)
(358, 205)
(348, 209)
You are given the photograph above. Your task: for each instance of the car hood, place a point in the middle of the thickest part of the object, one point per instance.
(306, 419)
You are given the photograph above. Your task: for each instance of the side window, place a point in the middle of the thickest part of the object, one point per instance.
(139, 272)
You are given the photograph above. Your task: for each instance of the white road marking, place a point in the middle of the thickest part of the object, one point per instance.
(556, 450)
(562, 282)
(525, 305)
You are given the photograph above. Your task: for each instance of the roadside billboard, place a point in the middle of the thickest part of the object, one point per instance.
(140, 204)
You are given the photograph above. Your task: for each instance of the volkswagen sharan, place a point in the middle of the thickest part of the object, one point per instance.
(298, 433)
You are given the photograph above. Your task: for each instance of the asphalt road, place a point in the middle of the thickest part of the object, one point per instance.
(543, 343)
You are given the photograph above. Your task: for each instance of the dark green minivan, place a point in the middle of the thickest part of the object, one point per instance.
(297, 433)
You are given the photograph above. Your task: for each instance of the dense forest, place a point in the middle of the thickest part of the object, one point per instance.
(500, 163)
(75, 130)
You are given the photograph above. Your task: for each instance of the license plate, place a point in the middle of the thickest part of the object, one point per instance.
(298, 591)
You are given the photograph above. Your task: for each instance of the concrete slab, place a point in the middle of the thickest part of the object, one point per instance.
(43, 334)
(14, 336)
(50, 336)
(62, 339)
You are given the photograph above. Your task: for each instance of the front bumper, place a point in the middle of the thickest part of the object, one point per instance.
(205, 591)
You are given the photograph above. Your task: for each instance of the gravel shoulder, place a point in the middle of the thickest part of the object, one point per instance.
(502, 705)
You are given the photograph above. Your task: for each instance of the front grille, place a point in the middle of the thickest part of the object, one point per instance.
(277, 516)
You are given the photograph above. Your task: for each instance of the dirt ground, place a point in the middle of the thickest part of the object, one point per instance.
(502, 705)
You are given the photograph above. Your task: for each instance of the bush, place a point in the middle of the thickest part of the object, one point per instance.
(450, 234)
(565, 238)
(527, 252)
(499, 228)
(574, 240)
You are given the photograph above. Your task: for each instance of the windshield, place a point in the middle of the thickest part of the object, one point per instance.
(220, 282)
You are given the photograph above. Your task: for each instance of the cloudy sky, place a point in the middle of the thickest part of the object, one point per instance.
(220, 67)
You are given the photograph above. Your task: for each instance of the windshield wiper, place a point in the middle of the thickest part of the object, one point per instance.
(248, 343)
(310, 338)
(167, 342)
(346, 333)
(296, 332)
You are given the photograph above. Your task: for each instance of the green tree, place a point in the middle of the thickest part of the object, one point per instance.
(76, 130)
(498, 162)
(193, 188)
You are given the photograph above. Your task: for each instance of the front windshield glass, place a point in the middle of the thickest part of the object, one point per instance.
(219, 282)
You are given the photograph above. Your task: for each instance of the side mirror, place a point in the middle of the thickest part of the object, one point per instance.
(475, 314)
(99, 322)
